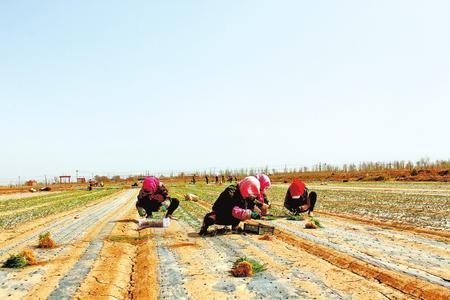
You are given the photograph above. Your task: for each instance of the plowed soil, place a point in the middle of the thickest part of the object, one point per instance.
(101, 255)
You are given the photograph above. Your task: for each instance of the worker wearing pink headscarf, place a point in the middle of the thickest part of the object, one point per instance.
(235, 204)
(153, 196)
(265, 184)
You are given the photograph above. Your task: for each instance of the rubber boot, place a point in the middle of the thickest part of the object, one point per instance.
(207, 221)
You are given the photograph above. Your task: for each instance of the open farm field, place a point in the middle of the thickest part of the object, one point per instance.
(377, 241)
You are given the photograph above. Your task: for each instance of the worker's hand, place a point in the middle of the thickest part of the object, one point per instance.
(165, 205)
(255, 215)
(257, 209)
(141, 211)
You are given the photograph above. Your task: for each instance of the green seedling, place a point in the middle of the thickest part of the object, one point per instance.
(256, 267)
(15, 262)
(296, 218)
(316, 222)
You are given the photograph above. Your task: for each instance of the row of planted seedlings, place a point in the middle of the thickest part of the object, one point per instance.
(14, 204)
(60, 204)
(27, 256)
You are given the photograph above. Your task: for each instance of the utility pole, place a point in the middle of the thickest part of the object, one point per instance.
(77, 176)
(45, 179)
(19, 180)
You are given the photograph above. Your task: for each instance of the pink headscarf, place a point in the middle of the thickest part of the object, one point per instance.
(264, 181)
(151, 184)
(249, 186)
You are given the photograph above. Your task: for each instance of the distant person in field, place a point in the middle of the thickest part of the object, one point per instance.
(299, 199)
(193, 179)
(217, 179)
(153, 196)
(235, 204)
(206, 179)
(265, 184)
(223, 179)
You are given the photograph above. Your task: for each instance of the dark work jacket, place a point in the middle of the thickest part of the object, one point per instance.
(228, 199)
(148, 199)
(291, 203)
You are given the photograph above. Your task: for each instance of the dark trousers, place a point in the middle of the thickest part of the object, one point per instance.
(295, 205)
(220, 220)
(154, 206)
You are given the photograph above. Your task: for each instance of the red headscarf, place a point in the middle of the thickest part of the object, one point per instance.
(297, 188)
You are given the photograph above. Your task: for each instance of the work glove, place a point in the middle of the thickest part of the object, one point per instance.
(165, 205)
(255, 215)
(141, 212)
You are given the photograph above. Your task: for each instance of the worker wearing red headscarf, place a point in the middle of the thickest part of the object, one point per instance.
(235, 204)
(298, 198)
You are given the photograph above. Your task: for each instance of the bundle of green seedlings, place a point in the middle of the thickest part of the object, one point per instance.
(313, 224)
(296, 218)
(247, 267)
(46, 241)
(17, 261)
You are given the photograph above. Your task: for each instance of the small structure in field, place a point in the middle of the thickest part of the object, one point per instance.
(81, 180)
(31, 182)
(64, 179)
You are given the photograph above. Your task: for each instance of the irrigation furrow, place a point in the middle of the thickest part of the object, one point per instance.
(74, 230)
(265, 285)
(387, 233)
(326, 290)
(364, 257)
(170, 276)
(67, 219)
(68, 285)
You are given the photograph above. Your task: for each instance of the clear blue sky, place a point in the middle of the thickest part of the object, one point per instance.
(118, 86)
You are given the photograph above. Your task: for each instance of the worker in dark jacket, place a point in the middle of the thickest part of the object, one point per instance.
(235, 204)
(298, 198)
(153, 196)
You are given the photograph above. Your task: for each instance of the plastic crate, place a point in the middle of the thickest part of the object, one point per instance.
(263, 229)
(251, 228)
(258, 228)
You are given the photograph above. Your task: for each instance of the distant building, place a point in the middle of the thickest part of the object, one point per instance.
(31, 182)
(64, 179)
(81, 180)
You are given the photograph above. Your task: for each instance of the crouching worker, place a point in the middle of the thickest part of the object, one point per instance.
(235, 204)
(153, 196)
(298, 198)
